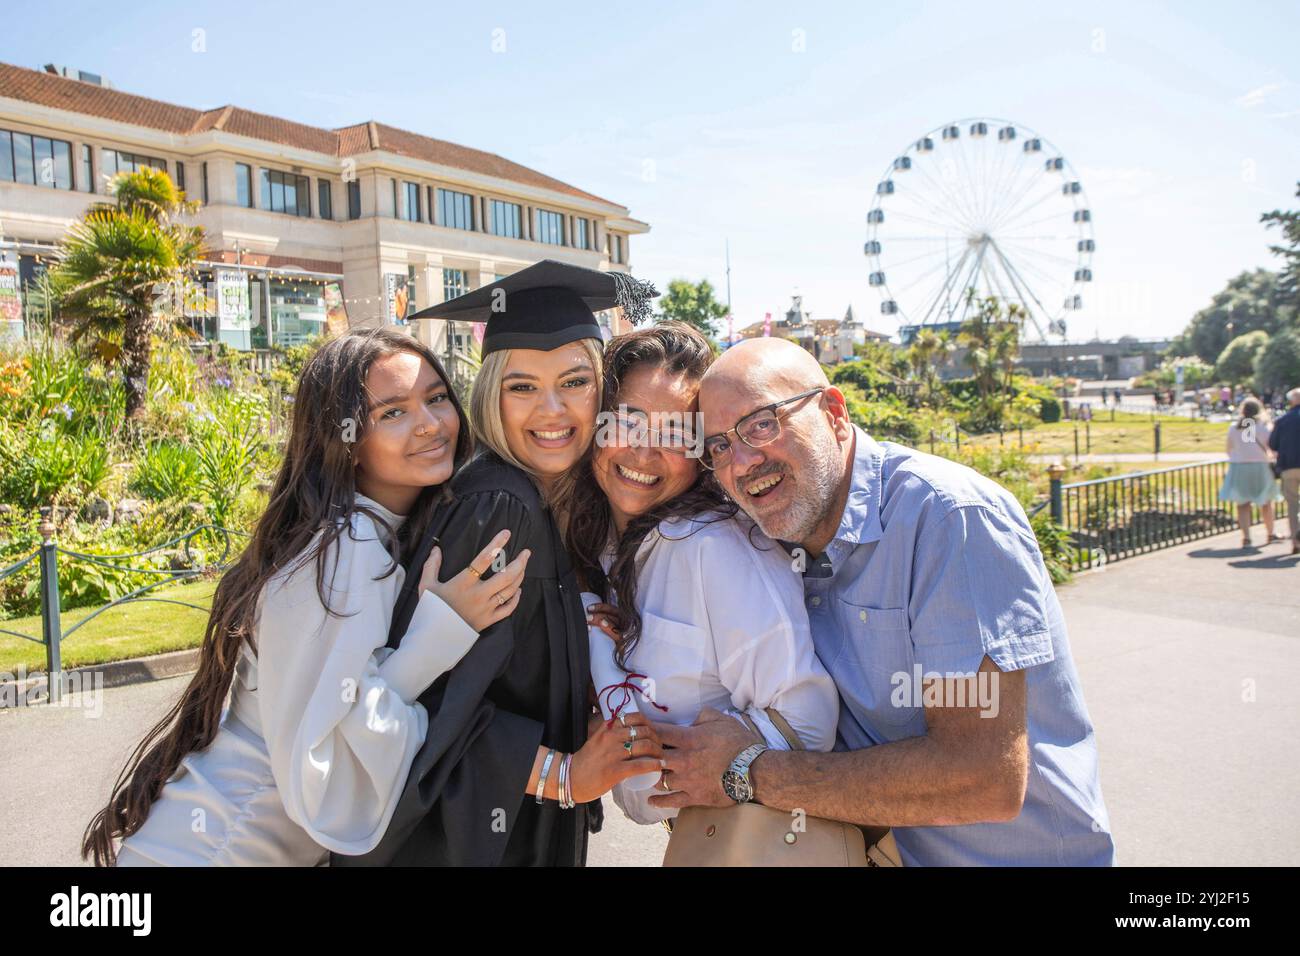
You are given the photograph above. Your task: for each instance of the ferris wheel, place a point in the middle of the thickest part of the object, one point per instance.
(986, 205)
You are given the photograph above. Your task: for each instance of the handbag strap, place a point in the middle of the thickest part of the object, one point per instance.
(784, 727)
(780, 723)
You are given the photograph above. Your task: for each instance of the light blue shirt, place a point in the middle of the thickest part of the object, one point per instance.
(932, 568)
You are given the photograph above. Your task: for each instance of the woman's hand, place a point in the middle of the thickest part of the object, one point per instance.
(607, 618)
(604, 760)
(480, 603)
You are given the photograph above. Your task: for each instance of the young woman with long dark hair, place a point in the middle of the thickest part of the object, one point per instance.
(323, 721)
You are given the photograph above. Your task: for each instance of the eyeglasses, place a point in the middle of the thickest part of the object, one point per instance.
(758, 428)
(634, 431)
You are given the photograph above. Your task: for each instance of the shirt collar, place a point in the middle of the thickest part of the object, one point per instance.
(860, 523)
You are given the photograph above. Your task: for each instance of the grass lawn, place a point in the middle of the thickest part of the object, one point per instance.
(1136, 436)
(132, 630)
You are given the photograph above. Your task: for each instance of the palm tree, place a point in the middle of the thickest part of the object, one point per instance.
(116, 260)
(928, 353)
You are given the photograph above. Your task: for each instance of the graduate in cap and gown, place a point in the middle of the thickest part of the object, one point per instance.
(508, 774)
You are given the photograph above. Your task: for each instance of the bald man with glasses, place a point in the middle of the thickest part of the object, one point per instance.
(962, 723)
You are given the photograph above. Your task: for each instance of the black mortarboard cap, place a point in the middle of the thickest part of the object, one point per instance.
(546, 305)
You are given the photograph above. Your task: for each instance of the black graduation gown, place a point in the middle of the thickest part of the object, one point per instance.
(522, 684)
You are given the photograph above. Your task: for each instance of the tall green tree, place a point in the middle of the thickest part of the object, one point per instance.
(1277, 367)
(1250, 302)
(122, 265)
(929, 352)
(1288, 224)
(1236, 363)
(694, 304)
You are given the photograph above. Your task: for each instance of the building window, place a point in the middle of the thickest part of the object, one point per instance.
(615, 247)
(411, 209)
(115, 161)
(324, 199)
(35, 160)
(505, 219)
(354, 199)
(550, 228)
(205, 183)
(180, 175)
(244, 186)
(87, 169)
(580, 234)
(411, 306)
(453, 283)
(285, 192)
(455, 210)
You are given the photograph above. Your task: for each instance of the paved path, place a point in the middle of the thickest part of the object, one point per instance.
(1187, 658)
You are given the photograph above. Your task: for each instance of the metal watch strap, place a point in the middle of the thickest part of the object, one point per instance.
(740, 765)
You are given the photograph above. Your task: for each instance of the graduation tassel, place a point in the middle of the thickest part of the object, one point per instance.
(633, 296)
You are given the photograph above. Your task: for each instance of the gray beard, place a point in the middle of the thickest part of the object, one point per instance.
(797, 523)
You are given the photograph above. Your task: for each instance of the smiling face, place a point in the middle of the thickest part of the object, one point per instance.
(634, 477)
(409, 439)
(549, 402)
(791, 487)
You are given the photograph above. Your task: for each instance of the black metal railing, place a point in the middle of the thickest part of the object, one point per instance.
(1114, 518)
(52, 632)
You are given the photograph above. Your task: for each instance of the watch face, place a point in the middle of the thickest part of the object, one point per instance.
(736, 786)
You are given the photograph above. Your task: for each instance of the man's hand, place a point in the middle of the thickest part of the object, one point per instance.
(700, 755)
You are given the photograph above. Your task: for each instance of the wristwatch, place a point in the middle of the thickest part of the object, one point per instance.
(735, 779)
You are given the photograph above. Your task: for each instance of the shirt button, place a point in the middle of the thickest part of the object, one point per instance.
(862, 616)
(815, 601)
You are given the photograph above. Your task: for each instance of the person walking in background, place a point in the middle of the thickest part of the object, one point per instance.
(1250, 479)
(1285, 441)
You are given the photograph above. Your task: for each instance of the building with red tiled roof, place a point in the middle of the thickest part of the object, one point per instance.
(384, 215)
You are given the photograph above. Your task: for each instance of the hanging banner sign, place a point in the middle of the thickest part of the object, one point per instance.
(11, 299)
(336, 313)
(396, 298)
(234, 313)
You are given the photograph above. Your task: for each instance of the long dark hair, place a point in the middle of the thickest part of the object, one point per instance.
(314, 494)
(680, 350)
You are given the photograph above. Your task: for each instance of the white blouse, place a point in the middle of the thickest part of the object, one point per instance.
(723, 625)
(323, 722)
(1249, 444)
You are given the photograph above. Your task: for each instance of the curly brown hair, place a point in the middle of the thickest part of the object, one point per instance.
(680, 349)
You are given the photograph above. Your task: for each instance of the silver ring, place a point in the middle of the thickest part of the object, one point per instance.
(663, 780)
(622, 719)
(631, 733)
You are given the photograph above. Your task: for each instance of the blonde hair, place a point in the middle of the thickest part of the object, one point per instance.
(490, 431)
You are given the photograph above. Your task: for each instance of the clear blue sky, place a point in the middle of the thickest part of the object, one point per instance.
(709, 121)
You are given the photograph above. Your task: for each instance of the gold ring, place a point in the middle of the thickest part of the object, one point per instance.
(501, 598)
(474, 571)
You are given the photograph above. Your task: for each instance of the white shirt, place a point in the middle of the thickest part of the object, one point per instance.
(315, 745)
(723, 625)
(1249, 444)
